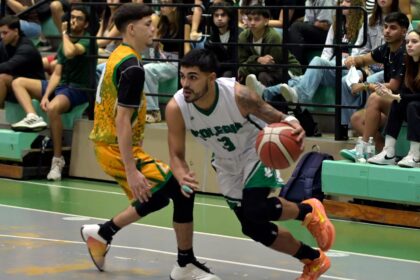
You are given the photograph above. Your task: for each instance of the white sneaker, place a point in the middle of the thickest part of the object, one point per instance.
(409, 161)
(289, 93)
(192, 271)
(252, 82)
(96, 245)
(31, 122)
(56, 168)
(382, 159)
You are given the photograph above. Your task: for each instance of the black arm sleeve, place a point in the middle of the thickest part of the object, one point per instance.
(130, 77)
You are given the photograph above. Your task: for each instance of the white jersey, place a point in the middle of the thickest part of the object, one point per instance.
(222, 128)
(232, 138)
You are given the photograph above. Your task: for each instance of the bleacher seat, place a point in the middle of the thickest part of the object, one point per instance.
(15, 113)
(168, 87)
(369, 181)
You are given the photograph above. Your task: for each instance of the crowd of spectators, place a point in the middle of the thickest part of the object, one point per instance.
(246, 36)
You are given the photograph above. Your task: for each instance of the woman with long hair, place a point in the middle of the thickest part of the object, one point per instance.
(408, 109)
(107, 29)
(169, 26)
(375, 36)
(404, 6)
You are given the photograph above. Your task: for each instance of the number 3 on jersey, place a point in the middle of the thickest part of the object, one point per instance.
(227, 143)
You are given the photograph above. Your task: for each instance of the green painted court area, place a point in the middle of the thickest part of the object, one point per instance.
(385, 251)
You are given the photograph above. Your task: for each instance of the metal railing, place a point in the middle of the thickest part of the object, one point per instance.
(340, 130)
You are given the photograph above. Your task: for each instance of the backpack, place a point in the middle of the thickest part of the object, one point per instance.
(305, 181)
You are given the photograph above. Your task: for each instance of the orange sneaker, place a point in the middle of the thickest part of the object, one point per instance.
(314, 269)
(97, 246)
(319, 225)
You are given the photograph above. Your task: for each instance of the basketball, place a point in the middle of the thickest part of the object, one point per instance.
(277, 147)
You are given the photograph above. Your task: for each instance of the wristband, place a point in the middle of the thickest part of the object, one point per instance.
(186, 189)
(290, 118)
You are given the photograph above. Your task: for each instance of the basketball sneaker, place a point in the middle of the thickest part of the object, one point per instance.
(192, 271)
(319, 225)
(314, 269)
(97, 246)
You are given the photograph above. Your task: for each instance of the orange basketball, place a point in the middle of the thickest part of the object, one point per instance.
(277, 147)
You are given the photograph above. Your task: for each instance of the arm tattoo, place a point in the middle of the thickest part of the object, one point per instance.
(250, 103)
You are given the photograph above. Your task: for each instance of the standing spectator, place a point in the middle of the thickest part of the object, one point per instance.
(18, 56)
(406, 110)
(260, 33)
(223, 29)
(313, 30)
(63, 91)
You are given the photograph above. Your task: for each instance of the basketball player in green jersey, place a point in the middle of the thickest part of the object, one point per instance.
(226, 118)
(118, 131)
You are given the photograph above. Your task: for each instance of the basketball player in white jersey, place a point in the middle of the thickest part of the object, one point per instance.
(226, 117)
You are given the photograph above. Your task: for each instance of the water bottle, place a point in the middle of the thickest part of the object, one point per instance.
(370, 149)
(360, 157)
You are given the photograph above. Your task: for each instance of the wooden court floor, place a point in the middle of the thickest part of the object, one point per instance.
(39, 239)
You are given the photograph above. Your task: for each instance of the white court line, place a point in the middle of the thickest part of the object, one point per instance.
(195, 203)
(97, 191)
(205, 233)
(172, 254)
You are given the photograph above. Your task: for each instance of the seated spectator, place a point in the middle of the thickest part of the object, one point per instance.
(403, 5)
(408, 109)
(391, 54)
(372, 73)
(260, 33)
(18, 56)
(313, 30)
(223, 29)
(303, 88)
(108, 29)
(29, 23)
(277, 20)
(63, 91)
(242, 16)
(168, 27)
(60, 11)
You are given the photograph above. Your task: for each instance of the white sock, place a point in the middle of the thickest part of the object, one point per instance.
(29, 115)
(414, 150)
(390, 145)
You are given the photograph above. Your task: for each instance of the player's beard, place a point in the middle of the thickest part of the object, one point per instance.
(194, 96)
